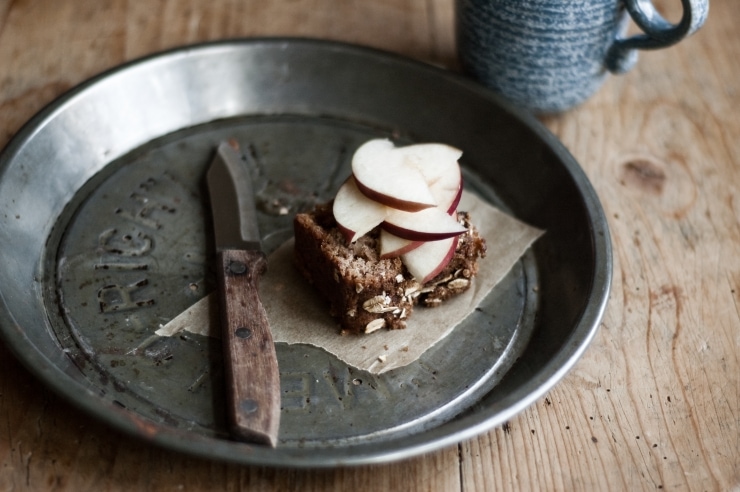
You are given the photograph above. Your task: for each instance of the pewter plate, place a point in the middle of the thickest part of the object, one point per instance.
(105, 236)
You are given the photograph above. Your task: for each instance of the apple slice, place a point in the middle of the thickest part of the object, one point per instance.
(430, 224)
(439, 165)
(383, 175)
(448, 194)
(392, 245)
(355, 213)
(430, 258)
(434, 157)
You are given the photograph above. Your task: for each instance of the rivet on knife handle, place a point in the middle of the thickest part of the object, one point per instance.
(251, 364)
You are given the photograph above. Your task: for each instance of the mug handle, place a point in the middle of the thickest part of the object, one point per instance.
(657, 32)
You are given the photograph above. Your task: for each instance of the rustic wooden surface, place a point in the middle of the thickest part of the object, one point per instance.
(654, 403)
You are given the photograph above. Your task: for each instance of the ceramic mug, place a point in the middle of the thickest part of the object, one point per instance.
(551, 55)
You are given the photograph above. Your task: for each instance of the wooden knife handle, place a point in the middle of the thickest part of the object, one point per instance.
(251, 368)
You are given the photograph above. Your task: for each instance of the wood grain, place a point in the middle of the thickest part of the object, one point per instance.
(654, 403)
(251, 366)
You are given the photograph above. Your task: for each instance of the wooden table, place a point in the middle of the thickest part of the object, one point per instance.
(654, 403)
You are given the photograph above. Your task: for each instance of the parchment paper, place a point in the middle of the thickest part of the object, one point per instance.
(298, 315)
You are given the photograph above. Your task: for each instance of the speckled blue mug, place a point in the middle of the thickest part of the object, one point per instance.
(551, 55)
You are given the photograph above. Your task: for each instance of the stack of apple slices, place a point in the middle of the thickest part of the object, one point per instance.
(412, 193)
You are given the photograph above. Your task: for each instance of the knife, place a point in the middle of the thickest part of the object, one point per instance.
(251, 367)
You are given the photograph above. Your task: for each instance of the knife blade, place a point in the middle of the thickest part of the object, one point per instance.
(251, 367)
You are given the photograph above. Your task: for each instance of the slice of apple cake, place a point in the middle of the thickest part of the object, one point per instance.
(366, 292)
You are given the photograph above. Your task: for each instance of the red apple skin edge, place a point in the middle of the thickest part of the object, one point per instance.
(404, 233)
(402, 251)
(391, 201)
(350, 200)
(412, 245)
(443, 263)
(452, 209)
(347, 233)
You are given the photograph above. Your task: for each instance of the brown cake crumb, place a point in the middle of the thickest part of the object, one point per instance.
(367, 293)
